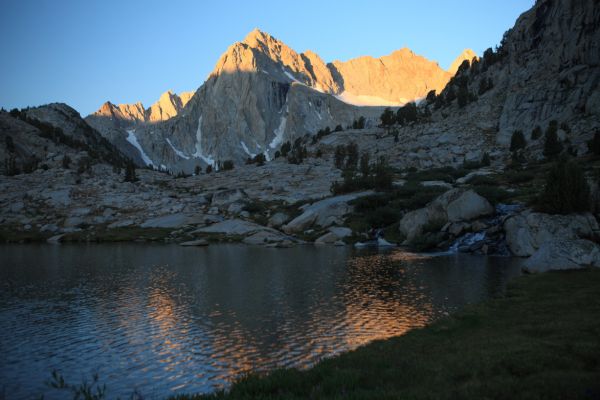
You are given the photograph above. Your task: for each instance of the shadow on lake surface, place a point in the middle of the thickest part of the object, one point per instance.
(166, 319)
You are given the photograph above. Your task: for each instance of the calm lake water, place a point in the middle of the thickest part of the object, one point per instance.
(164, 319)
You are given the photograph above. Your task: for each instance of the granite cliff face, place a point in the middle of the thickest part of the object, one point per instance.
(546, 68)
(261, 94)
(552, 71)
(393, 80)
(114, 121)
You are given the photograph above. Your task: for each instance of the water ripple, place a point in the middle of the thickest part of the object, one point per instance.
(165, 320)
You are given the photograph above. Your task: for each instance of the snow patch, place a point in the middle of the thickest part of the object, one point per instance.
(289, 75)
(246, 149)
(363, 100)
(198, 154)
(278, 139)
(178, 152)
(131, 138)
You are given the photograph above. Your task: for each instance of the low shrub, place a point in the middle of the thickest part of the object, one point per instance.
(445, 174)
(566, 190)
(517, 141)
(382, 216)
(494, 194)
(552, 145)
(379, 178)
(516, 177)
(594, 144)
(254, 207)
(481, 180)
(536, 133)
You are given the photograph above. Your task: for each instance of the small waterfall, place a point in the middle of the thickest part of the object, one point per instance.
(474, 241)
(507, 209)
(467, 241)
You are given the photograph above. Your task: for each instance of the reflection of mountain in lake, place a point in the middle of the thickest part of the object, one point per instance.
(168, 319)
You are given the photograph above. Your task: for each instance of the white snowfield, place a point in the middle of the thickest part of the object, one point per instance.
(279, 132)
(246, 150)
(177, 151)
(363, 100)
(198, 154)
(131, 138)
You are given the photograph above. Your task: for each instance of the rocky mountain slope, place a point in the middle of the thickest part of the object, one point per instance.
(547, 68)
(262, 93)
(552, 71)
(544, 75)
(394, 79)
(114, 120)
(41, 137)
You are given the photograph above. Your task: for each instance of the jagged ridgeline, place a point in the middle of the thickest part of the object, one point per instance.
(31, 134)
(262, 94)
(543, 75)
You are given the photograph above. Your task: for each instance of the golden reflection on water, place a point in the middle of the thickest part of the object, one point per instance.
(400, 255)
(366, 313)
(165, 319)
(178, 320)
(372, 314)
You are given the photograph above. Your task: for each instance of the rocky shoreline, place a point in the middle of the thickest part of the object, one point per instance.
(280, 205)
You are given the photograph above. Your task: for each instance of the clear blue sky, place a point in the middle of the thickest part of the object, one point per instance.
(84, 52)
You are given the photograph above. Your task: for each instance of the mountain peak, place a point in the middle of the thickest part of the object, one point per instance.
(404, 50)
(467, 54)
(255, 33)
(256, 37)
(106, 108)
(166, 96)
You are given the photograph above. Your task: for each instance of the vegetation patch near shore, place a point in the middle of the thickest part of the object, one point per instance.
(539, 341)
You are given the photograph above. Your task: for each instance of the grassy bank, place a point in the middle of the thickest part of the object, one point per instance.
(542, 340)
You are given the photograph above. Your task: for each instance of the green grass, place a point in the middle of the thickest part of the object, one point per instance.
(15, 234)
(482, 180)
(124, 234)
(446, 174)
(495, 194)
(540, 341)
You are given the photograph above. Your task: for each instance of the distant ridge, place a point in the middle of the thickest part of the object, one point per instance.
(262, 93)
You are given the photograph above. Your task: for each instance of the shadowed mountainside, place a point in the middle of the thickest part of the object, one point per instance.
(262, 93)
